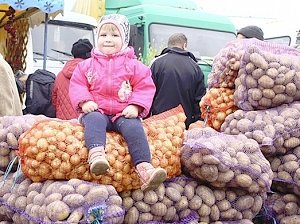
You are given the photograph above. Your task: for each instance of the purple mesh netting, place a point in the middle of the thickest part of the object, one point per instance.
(76, 200)
(11, 127)
(286, 172)
(284, 208)
(269, 76)
(184, 197)
(226, 160)
(276, 130)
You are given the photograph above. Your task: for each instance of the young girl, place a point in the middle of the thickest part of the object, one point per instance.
(114, 90)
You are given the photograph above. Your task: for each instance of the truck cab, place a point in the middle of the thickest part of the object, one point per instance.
(63, 31)
(155, 20)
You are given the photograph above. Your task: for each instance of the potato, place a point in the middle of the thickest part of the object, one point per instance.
(229, 214)
(243, 180)
(21, 202)
(244, 202)
(74, 200)
(173, 194)
(137, 195)
(39, 199)
(58, 211)
(99, 192)
(182, 204)
(114, 200)
(132, 216)
(75, 216)
(204, 210)
(150, 197)
(195, 203)
(223, 205)
(215, 213)
(83, 188)
(53, 197)
(189, 191)
(145, 217)
(290, 219)
(170, 214)
(160, 192)
(142, 206)
(159, 209)
(206, 194)
(114, 209)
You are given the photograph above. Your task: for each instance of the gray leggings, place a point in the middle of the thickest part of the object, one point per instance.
(96, 124)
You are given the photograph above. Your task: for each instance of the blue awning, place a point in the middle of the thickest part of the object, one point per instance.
(47, 6)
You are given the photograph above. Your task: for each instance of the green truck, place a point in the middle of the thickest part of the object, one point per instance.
(153, 21)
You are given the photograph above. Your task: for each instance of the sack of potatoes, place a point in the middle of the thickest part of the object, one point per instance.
(285, 208)
(181, 197)
(226, 160)
(276, 130)
(11, 127)
(267, 78)
(286, 169)
(71, 201)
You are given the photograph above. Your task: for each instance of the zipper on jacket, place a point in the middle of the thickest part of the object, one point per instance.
(110, 84)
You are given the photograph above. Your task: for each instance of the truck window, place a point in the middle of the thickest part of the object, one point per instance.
(285, 40)
(61, 36)
(201, 42)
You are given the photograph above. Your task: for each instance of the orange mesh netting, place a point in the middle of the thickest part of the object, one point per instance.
(55, 149)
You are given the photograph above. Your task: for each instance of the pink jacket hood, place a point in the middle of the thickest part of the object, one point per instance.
(113, 82)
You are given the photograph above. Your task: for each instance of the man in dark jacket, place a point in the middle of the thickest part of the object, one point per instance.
(178, 80)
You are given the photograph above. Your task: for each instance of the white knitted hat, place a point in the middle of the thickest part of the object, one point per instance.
(121, 23)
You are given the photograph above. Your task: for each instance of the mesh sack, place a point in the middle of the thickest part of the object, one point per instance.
(285, 208)
(197, 124)
(215, 105)
(11, 127)
(269, 76)
(226, 65)
(286, 169)
(180, 197)
(276, 130)
(226, 160)
(55, 150)
(242, 221)
(73, 201)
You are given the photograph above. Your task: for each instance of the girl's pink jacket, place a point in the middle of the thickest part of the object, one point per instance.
(113, 82)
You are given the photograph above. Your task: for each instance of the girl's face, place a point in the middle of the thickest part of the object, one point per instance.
(109, 40)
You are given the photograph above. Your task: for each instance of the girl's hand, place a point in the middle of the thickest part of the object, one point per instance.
(131, 111)
(89, 106)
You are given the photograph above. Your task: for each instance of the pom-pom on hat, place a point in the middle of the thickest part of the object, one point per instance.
(121, 22)
(82, 49)
(252, 32)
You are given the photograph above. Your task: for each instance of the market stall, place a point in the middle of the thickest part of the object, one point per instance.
(15, 19)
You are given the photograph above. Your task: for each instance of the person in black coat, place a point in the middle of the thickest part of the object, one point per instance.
(178, 80)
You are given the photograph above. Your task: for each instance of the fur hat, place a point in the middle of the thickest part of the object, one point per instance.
(82, 49)
(252, 32)
(121, 22)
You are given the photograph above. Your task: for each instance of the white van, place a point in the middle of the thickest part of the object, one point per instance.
(62, 32)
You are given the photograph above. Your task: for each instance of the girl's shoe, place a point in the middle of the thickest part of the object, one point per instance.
(98, 163)
(151, 177)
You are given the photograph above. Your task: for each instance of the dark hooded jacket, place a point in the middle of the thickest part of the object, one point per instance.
(60, 94)
(178, 80)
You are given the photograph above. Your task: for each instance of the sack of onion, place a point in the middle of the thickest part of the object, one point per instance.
(215, 105)
(55, 149)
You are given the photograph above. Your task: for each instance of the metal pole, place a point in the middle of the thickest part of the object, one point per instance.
(45, 41)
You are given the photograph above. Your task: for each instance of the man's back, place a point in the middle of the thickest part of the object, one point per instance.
(178, 80)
